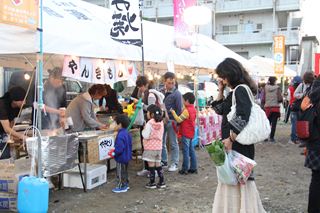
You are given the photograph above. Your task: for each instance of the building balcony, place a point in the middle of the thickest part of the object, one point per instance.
(164, 10)
(257, 37)
(255, 5)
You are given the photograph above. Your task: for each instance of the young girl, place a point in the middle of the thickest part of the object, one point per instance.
(152, 142)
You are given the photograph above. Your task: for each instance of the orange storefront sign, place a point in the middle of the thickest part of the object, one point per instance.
(279, 54)
(22, 13)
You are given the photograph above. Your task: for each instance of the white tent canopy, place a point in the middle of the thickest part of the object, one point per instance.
(65, 34)
(264, 67)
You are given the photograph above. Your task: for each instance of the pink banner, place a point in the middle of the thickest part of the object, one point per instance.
(178, 8)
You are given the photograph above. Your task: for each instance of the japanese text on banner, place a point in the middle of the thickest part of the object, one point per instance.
(22, 13)
(279, 54)
(126, 22)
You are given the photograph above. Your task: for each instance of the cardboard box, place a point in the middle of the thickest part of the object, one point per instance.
(12, 173)
(96, 176)
(8, 202)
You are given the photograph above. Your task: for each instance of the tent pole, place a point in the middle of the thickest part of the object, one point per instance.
(142, 49)
(40, 85)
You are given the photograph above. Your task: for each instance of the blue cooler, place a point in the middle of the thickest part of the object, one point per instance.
(195, 140)
(33, 195)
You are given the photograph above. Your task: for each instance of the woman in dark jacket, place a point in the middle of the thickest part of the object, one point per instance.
(313, 151)
(229, 198)
(112, 103)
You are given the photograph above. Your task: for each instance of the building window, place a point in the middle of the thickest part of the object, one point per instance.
(258, 28)
(229, 29)
(148, 3)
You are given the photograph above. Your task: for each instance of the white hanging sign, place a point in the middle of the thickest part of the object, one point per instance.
(105, 145)
(121, 71)
(126, 21)
(132, 74)
(110, 72)
(98, 67)
(86, 70)
(71, 67)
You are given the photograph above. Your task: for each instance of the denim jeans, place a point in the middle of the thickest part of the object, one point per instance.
(188, 154)
(293, 118)
(173, 142)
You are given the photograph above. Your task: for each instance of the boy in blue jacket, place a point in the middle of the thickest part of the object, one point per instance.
(122, 153)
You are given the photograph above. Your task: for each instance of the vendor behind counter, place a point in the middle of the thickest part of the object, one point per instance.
(81, 109)
(10, 105)
(112, 104)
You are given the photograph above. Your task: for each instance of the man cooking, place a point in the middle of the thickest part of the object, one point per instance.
(10, 105)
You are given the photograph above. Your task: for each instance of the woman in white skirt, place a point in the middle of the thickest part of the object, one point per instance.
(240, 198)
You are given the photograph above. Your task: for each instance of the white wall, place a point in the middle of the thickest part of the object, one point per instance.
(253, 50)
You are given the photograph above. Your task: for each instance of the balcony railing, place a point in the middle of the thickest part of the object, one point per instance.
(252, 5)
(257, 37)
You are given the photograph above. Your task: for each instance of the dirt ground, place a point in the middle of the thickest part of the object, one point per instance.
(281, 179)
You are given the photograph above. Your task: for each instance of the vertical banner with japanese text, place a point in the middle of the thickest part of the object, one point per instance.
(22, 13)
(317, 64)
(182, 36)
(279, 54)
(126, 21)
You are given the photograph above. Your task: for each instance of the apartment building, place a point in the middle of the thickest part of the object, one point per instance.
(245, 26)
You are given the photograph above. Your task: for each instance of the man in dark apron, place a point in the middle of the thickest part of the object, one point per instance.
(10, 105)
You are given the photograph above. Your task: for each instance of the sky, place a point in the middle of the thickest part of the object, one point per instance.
(311, 17)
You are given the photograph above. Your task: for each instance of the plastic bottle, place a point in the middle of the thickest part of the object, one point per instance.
(33, 195)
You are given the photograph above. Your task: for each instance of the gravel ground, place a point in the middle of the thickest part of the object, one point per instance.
(280, 177)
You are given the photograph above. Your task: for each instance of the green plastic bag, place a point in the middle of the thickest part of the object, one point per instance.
(216, 152)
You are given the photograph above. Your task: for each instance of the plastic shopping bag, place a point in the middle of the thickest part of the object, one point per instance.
(226, 174)
(140, 118)
(241, 165)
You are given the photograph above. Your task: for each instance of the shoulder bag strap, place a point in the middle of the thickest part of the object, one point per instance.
(248, 91)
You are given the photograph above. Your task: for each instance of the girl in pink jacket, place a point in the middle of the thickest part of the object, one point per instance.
(152, 143)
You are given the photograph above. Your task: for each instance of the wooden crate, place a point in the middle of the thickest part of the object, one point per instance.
(93, 145)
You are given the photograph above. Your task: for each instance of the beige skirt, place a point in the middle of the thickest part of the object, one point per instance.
(237, 199)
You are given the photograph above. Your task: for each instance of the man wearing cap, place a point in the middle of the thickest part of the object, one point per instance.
(10, 105)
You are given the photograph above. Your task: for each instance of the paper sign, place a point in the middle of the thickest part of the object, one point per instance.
(99, 69)
(110, 72)
(105, 145)
(121, 71)
(71, 67)
(22, 13)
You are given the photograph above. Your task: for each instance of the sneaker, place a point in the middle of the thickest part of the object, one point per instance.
(127, 185)
(183, 172)
(292, 142)
(302, 144)
(266, 140)
(164, 164)
(272, 140)
(151, 185)
(120, 190)
(161, 185)
(193, 171)
(143, 172)
(173, 168)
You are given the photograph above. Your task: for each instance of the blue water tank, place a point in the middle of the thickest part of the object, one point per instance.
(33, 195)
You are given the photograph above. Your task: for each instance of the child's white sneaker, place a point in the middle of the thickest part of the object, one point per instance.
(173, 168)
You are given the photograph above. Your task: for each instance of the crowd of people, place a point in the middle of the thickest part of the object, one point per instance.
(167, 112)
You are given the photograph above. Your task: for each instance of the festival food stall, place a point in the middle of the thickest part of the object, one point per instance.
(74, 37)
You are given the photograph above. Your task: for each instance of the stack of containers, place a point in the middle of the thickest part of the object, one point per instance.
(209, 126)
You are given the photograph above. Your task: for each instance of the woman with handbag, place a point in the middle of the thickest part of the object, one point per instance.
(271, 101)
(239, 198)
